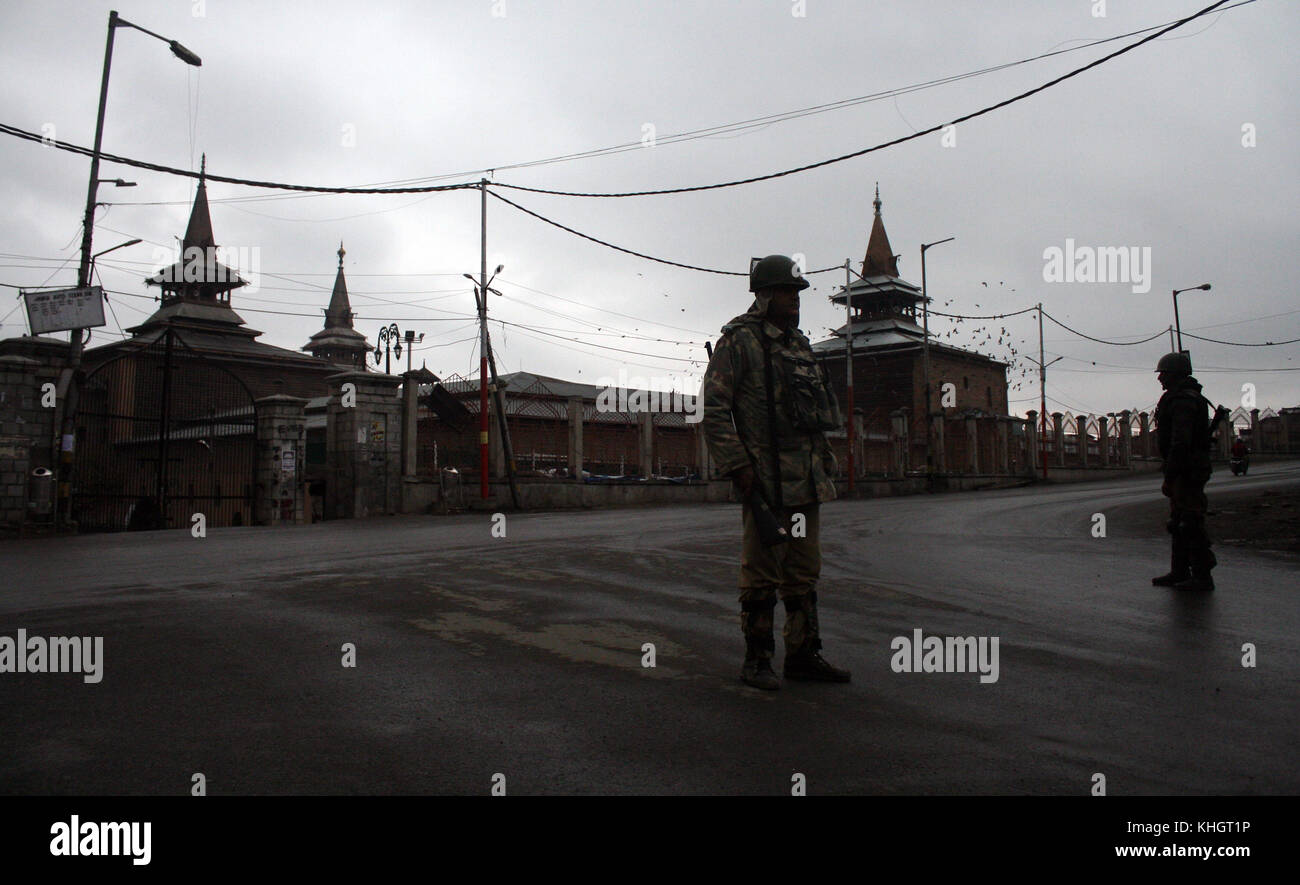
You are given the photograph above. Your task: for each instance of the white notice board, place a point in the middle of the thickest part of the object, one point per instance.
(59, 310)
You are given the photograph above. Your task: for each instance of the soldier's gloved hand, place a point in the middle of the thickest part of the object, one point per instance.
(744, 480)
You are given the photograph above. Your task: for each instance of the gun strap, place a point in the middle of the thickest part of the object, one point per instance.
(771, 414)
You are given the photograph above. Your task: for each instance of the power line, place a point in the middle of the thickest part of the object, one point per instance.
(993, 316)
(710, 131)
(6, 129)
(600, 310)
(142, 164)
(730, 273)
(1242, 344)
(962, 119)
(1164, 331)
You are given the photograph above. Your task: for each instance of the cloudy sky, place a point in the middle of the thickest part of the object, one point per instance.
(1183, 150)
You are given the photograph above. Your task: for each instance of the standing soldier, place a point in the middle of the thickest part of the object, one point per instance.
(766, 408)
(1183, 432)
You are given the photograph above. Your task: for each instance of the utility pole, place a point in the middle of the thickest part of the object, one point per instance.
(848, 362)
(483, 349)
(925, 358)
(67, 393)
(487, 363)
(1042, 395)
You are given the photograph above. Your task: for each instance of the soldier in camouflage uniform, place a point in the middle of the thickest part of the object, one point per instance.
(1183, 435)
(765, 343)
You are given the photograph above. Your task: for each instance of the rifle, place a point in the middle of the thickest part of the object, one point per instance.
(770, 530)
(1221, 413)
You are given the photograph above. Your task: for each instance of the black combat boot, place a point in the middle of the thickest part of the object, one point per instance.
(1178, 560)
(756, 625)
(805, 663)
(1200, 556)
(758, 671)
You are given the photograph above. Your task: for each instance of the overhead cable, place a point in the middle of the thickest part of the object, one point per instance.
(906, 138)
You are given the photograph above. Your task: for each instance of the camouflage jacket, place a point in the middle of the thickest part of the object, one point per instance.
(1183, 429)
(735, 409)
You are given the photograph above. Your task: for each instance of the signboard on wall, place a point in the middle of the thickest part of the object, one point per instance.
(60, 310)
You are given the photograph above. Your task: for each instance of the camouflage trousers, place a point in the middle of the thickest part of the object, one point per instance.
(787, 571)
(1187, 508)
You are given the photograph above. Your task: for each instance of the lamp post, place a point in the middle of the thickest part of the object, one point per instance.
(925, 353)
(67, 394)
(114, 22)
(113, 249)
(411, 338)
(1178, 326)
(389, 340)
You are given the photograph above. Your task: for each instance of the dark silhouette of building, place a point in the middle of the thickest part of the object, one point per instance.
(339, 342)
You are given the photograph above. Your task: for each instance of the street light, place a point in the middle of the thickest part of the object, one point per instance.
(112, 249)
(114, 22)
(925, 351)
(411, 339)
(389, 339)
(67, 393)
(1177, 325)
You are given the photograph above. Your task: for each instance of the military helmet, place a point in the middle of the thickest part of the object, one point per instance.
(1175, 364)
(775, 270)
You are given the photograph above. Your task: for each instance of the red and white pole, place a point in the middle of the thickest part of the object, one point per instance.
(483, 350)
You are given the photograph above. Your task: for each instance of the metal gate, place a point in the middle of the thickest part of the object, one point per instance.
(164, 434)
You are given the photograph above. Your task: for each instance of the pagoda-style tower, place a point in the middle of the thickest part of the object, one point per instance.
(196, 289)
(883, 303)
(338, 342)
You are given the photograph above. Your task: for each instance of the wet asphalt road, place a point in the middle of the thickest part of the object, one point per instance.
(523, 656)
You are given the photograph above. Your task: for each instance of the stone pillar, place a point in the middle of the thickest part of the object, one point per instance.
(1227, 434)
(411, 382)
(1031, 441)
(940, 456)
(363, 445)
(1126, 438)
(26, 428)
(281, 460)
(1103, 440)
(972, 445)
(1004, 446)
(1058, 427)
(1256, 441)
(1144, 429)
(645, 442)
(575, 437)
(1081, 428)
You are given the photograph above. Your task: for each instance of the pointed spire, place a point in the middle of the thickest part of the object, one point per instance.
(199, 232)
(339, 314)
(880, 260)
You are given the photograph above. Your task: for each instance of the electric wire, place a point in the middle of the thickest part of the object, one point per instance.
(606, 243)
(882, 145)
